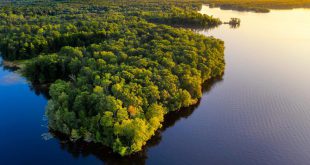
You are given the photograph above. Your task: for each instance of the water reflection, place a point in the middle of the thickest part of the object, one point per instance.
(40, 90)
(234, 26)
(82, 149)
(10, 79)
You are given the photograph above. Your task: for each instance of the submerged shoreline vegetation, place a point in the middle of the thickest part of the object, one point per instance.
(234, 22)
(260, 6)
(114, 75)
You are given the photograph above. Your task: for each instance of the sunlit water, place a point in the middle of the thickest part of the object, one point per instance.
(259, 113)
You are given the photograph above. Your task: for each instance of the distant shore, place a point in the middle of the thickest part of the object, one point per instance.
(259, 6)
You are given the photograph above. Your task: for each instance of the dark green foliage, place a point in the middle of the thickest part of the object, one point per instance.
(113, 74)
(180, 17)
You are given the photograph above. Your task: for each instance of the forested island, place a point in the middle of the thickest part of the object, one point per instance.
(114, 69)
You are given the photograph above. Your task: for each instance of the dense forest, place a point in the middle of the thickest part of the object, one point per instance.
(114, 68)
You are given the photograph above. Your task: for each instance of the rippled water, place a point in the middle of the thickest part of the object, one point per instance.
(259, 113)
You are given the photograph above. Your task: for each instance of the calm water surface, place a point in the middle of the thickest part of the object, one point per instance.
(259, 113)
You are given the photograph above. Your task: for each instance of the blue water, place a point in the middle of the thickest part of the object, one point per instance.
(25, 138)
(23, 126)
(258, 113)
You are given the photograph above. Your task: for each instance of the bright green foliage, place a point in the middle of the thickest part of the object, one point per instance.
(113, 74)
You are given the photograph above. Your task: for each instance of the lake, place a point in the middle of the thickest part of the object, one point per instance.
(257, 113)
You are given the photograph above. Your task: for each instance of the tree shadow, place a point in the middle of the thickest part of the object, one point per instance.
(40, 90)
(83, 149)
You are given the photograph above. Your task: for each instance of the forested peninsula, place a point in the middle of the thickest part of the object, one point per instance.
(114, 68)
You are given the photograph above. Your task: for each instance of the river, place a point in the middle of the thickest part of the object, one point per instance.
(258, 113)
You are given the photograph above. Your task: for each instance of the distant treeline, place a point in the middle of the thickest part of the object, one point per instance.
(258, 5)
